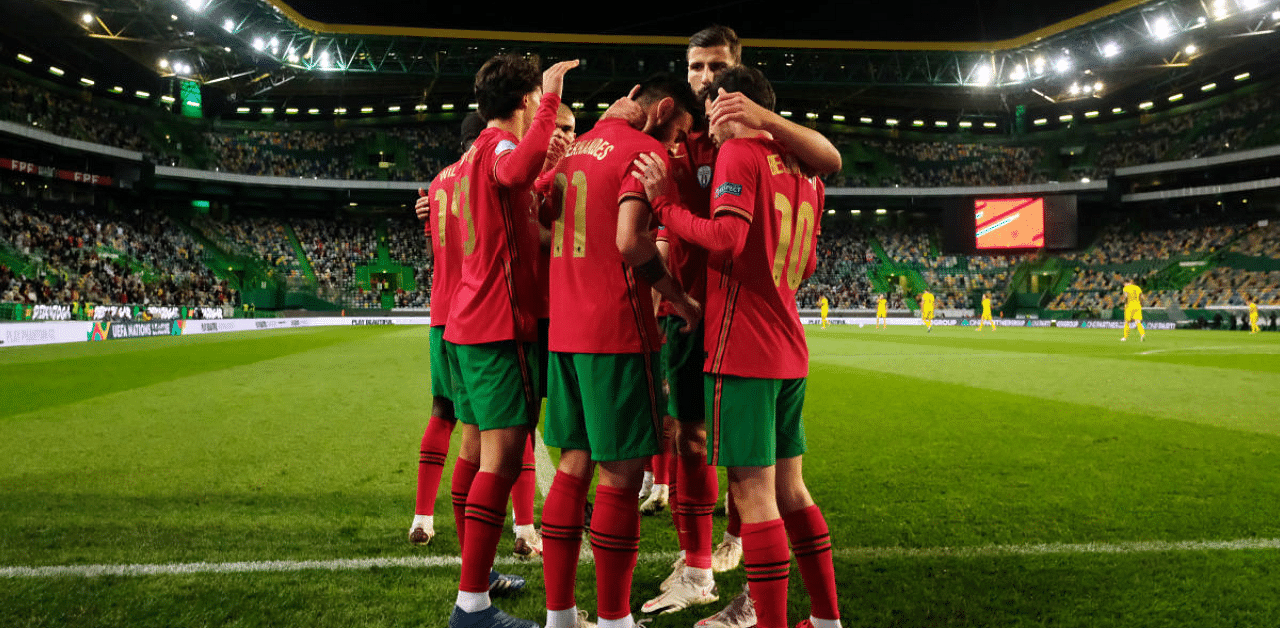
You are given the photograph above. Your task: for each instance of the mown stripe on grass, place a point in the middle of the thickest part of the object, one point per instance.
(428, 562)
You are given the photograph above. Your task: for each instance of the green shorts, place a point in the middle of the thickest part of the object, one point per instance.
(495, 384)
(441, 383)
(682, 358)
(754, 422)
(544, 332)
(607, 403)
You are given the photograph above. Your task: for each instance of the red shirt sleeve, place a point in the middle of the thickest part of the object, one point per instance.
(519, 167)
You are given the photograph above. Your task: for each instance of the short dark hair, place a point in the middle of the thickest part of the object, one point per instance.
(502, 83)
(750, 81)
(662, 85)
(472, 126)
(717, 35)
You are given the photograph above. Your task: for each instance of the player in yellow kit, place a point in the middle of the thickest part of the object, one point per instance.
(882, 312)
(1253, 315)
(1133, 311)
(986, 313)
(926, 309)
(823, 305)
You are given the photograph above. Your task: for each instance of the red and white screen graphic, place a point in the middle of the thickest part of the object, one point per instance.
(1009, 223)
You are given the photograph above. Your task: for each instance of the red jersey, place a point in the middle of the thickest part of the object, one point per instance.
(444, 247)
(692, 167)
(597, 304)
(496, 297)
(753, 327)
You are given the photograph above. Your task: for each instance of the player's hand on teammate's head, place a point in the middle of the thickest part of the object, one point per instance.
(553, 77)
(651, 172)
(626, 108)
(422, 206)
(689, 310)
(737, 107)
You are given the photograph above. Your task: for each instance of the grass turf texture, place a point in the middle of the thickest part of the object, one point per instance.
(302, 445)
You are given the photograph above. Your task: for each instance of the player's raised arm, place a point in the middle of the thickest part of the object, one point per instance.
(812, 148)
(520, 166)
(641, 253)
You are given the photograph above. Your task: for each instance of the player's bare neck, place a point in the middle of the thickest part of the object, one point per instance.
(514, 124)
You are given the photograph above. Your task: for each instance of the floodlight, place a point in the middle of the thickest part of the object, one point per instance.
(837, 117)
(87, 18)
(24, 58)
(1091, 114)
(117, 90)
(602, 106)
(917, 123)
(473, 107)
(1146, 105)
(988, 125)
(1208, 87)
(882, 212)
(56, 71)
(196, 5)
(259, 44)
(1097, 87)
(1019, 72)
(865, 120)
(1220, 9)
(1161, 28)
(164, 64)
(393, 109)
(982, 76)
(1249, 5)
(242, 110)
(274, 45)
(268, 110)
(785, 114)
(366, 110)
(421, 107)
(142, 94)
(313, 111)
(1243, 77)
(1117, 110)
(228, 25)
(965, 124)
(340, 111)
(1066, 117)
(1041, 121)
(1275, 15)
(168, 100)
(811, 115)
(1110, 49)
(941, 124)
(87, 82)
(1038, 64)
(1191, 49)
(447, 106)
(291, 110)
(1074, 90)
(1062, 65)
(890, 122)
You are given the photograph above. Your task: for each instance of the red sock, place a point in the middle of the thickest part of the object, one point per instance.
(615, 541)
(699, 488)
(648, 463)
(768, 563)
(811, 542)
(464, 472)
(486, 512)
(431, 457)
(734, 526)
(562, 519)
(526, 483)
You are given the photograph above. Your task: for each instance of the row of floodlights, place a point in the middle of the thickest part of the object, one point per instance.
(1161, 28)
(1146, 105)
(88, 82)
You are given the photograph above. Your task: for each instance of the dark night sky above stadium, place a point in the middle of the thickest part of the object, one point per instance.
(961, 20)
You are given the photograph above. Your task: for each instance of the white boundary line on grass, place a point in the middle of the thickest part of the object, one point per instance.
(428, 562)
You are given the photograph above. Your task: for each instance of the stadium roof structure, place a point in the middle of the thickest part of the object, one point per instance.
(319, 55)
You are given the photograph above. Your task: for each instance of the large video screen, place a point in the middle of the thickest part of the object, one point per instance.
(1008, 223)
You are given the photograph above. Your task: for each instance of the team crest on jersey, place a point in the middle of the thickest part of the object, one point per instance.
(504, 146)
(704, 176)
(728, 188)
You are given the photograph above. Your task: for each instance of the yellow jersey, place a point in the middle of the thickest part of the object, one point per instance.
(926, 300)
(1253, 310)
(882, 306)
(1134, 295)
(986, 307)
(822, 303)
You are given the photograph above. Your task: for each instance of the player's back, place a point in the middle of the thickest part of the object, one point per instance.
(753, 326)
(597, 304)
(445, 250)
(496, 291)
(1133, 294)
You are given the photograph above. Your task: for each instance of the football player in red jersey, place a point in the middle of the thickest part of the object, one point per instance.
(604, 400)
(432, 207)
(695, 487)
(490, 336)
(761, 239)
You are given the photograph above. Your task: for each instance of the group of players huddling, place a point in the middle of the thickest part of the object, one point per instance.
(687, 197)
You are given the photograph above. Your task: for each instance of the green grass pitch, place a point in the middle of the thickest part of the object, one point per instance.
(1025, 477)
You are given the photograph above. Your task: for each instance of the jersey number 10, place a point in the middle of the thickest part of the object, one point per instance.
(794, 245)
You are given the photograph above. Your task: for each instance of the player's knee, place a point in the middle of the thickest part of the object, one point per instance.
(624, 474)
(577, 463)
(692, 439)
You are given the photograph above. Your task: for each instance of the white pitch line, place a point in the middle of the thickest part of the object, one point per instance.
(430, 562)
